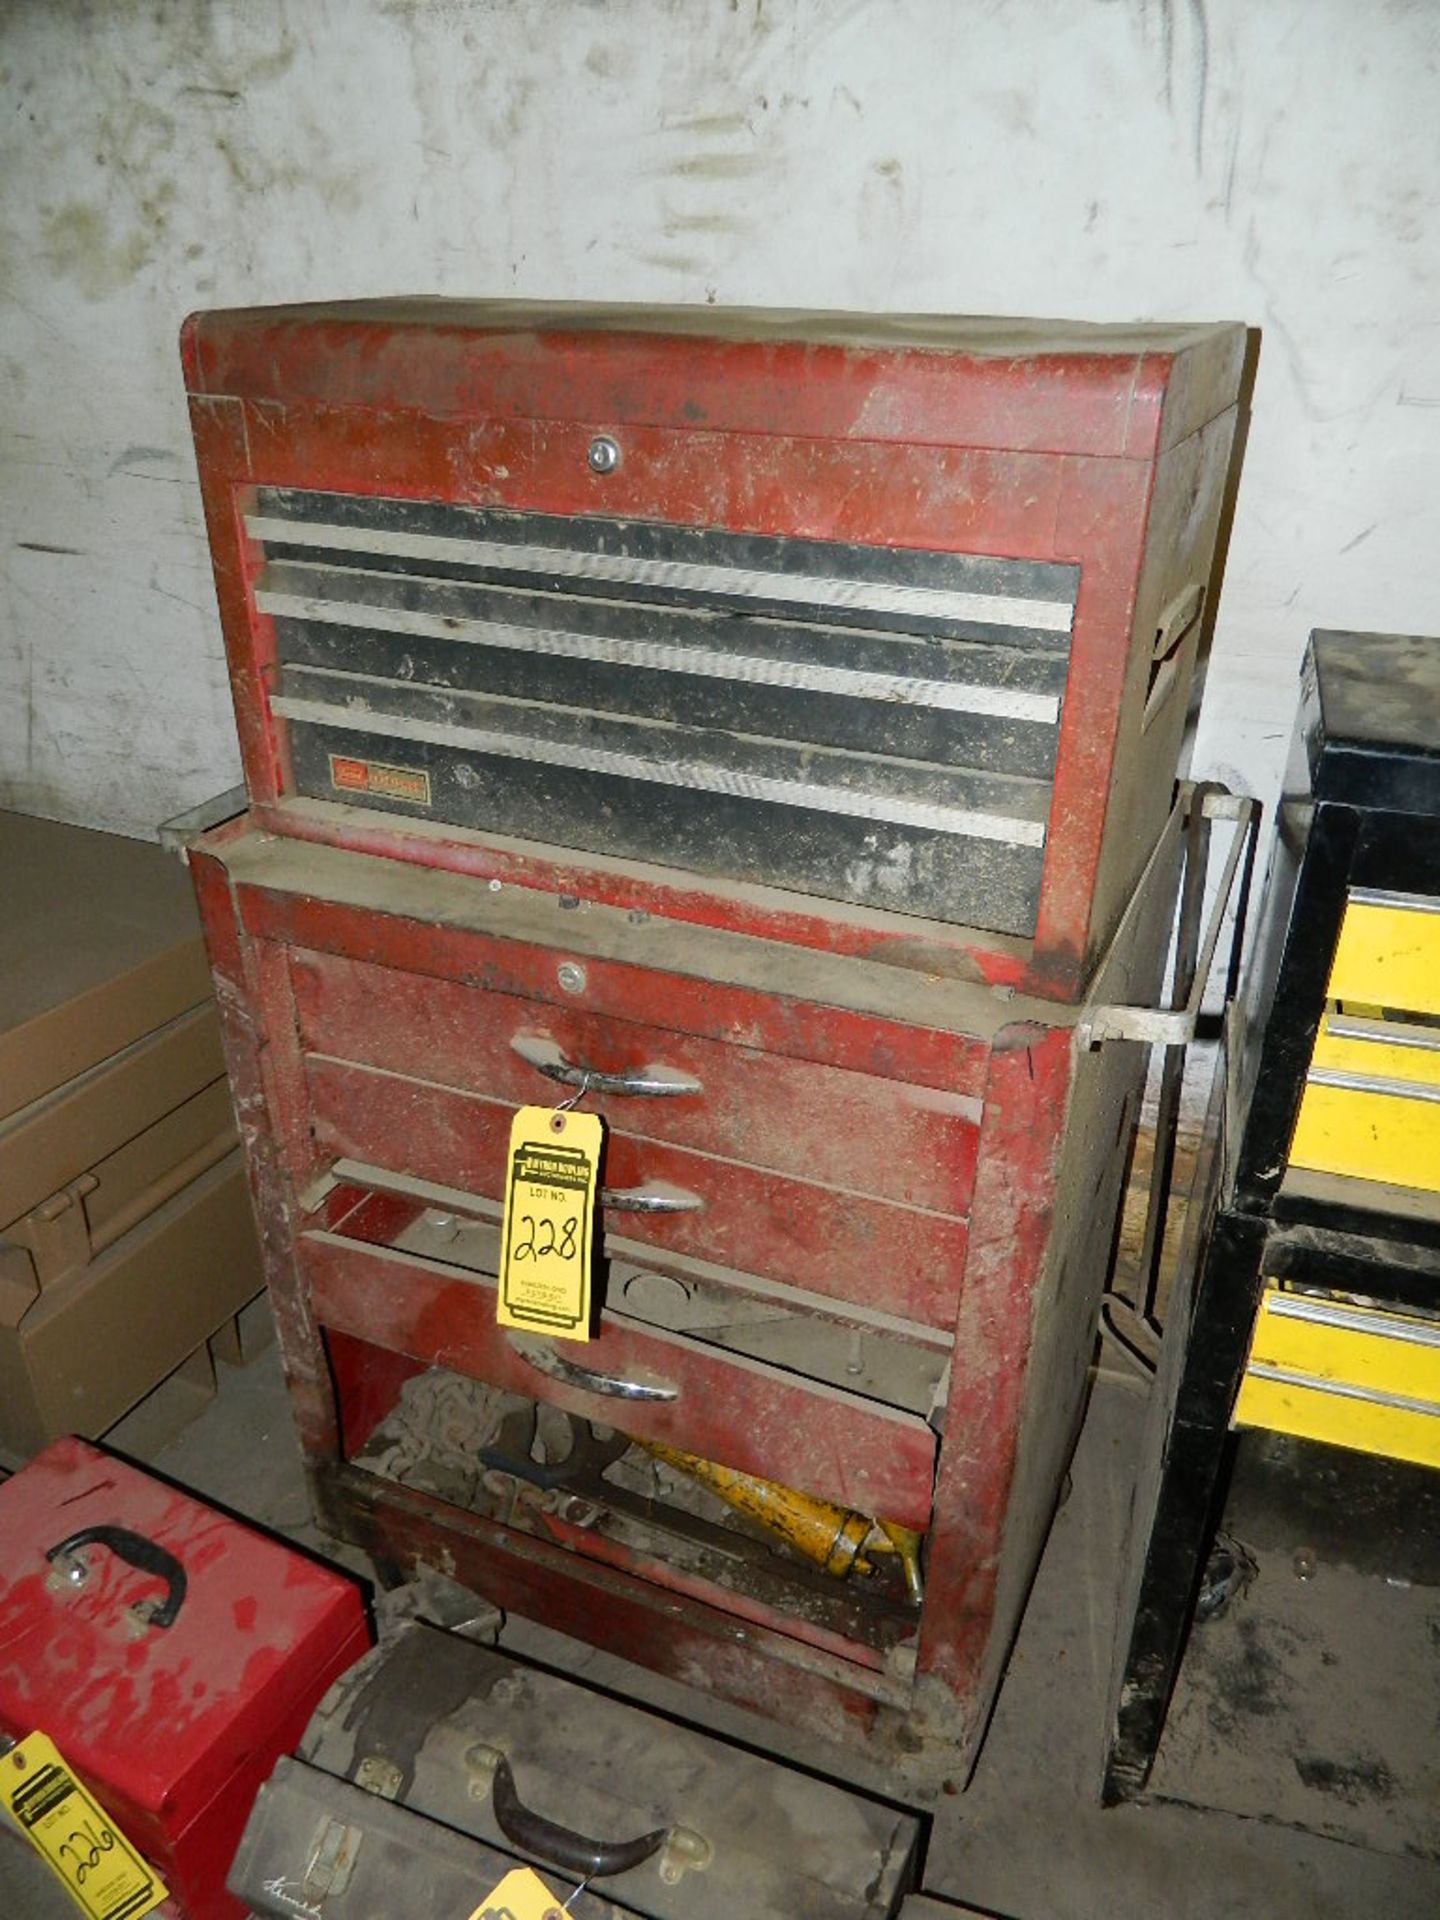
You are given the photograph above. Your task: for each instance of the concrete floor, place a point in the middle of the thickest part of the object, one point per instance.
(1027, 1841)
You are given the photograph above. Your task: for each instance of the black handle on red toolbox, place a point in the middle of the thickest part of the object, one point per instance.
(146, 1556)
(560, 1846)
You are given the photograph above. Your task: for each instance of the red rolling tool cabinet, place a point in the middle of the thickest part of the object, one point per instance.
(765, 728)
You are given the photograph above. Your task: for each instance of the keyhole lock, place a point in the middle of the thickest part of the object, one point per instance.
(603, 454)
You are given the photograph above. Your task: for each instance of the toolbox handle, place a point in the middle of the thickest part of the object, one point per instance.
(146, 1556)
(543, 1357)
(561, 1846)
(656, 1082)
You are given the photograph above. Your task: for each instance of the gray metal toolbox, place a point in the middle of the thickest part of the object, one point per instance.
(435, 1766)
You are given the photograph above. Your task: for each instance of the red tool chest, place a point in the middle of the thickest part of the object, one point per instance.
(170, 1653)
(766, 728)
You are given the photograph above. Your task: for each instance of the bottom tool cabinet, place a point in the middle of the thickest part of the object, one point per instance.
(856, 1218)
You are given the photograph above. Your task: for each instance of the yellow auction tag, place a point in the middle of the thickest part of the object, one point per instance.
(101, 1871)
(546, 1247)
(521, 1895)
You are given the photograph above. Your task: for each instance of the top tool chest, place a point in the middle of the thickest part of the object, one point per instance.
(764, 728)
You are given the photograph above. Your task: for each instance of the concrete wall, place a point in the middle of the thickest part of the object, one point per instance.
(1274, 163)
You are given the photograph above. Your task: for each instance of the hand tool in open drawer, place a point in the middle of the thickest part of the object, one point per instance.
(837, 1539)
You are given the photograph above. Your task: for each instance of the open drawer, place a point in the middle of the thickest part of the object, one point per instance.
(420, 1281)
(826, 1406)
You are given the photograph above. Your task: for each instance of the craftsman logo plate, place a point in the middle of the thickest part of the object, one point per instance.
(521, 1895)
(375, 777)
(546, 1248)
(100, 1870)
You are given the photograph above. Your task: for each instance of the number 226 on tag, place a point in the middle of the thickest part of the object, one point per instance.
(547, 1243)
(102, 1872)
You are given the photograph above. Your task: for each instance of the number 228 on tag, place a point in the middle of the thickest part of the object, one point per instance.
(547, 1243)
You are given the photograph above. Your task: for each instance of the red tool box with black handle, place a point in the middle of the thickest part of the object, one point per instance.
(170, 1653)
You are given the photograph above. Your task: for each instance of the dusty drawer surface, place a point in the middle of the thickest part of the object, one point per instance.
(373, 908)
(433, 1715)
(727, 1096)
(667, 1386)
(902, 1260)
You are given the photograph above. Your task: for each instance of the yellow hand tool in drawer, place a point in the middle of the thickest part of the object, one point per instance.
(1356, 1375)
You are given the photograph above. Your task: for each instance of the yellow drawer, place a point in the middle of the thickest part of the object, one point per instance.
(1351, 1126)
(1361, 1377)
(1389, 951)
(1377, 1049)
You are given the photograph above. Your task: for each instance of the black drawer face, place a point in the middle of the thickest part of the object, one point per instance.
(865, 724)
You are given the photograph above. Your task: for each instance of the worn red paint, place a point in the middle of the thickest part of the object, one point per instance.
(173, 1729)
(994, 447)
(914, 1161)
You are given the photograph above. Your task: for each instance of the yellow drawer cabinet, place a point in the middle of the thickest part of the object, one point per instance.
(1299, 1379)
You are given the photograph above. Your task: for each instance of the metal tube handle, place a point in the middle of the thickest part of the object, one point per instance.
(656, 1082)
(146, 1556)
(654, 1196)
(561, 1846)
(543, 1357)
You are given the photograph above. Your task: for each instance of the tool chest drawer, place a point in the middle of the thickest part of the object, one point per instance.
(659, 1385)
(903, 1260)
(1388, 951)
(732, 1098)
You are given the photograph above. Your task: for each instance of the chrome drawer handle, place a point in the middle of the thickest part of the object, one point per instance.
(543, 1357)
(655, 1196)
(547, 1058)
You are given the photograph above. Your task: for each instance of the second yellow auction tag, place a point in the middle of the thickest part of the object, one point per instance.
(521, 1895)
(546, 1245)
(102, 1872)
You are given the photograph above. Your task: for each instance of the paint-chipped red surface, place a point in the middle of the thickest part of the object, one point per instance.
(1005, 439)
(165, 1723)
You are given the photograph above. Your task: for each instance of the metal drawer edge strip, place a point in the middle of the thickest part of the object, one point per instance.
(677, 576)
(1406, 902)
(693, 776)
(748, 669)
(1369, 1083)
(1374, 1321)
(1388, 1033)
(1340, 1389)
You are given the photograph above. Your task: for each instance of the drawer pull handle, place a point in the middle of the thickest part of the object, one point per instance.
(561, 1846)
(656, 1196)
(543, 1357)
(547, 1058)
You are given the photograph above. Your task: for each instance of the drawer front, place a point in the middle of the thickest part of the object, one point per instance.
(739, 1412)
(1372, 1048)
(1388, 953)
(823, 1124)
(869, 725)
(1357, 1376)
(894, 1259)
(1386, 1133)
